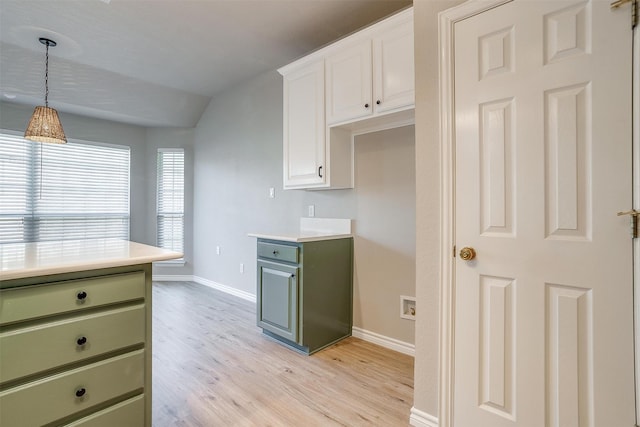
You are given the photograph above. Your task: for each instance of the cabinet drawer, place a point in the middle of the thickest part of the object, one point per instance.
(30, 350)
(55, 397)
(278, 252)
(129, 413)
(17, 304)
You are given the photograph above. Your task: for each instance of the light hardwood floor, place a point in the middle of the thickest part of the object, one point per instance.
(212, 366)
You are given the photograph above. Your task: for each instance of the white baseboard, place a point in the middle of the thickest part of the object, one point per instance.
(422, 419)
(383, 341)
(172, 278)
(226, 289)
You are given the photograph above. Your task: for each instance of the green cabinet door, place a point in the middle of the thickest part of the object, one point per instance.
(278, 299)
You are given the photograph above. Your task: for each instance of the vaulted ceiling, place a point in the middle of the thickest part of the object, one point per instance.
(159, 62)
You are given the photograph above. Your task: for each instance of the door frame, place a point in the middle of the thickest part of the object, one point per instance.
(635, 117)
(447, 20)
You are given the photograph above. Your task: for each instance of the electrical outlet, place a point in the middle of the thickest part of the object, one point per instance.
(312, 211)
(241, 268)
(217, 250)
(272, 193)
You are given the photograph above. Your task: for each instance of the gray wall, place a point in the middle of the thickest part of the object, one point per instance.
(238, 157)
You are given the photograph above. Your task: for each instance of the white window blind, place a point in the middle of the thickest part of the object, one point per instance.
(170, 199)
(62, 192)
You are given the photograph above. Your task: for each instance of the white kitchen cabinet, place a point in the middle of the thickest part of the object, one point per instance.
(360, 84)
(314, 157)
(393, 68)
(349, 83)
(373, 76)
(304, 127)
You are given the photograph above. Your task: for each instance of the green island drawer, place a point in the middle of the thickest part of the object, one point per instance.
(56, 397)
(39, 348)
(278, 252)
(32, 302)
(129, 413)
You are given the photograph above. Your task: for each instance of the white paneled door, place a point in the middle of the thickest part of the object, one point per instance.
(544, 313)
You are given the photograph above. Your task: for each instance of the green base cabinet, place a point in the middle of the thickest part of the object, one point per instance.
(75, 349)
(305, 292)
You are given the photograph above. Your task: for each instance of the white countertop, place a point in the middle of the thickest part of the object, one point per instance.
(19, 260)
(312, 229)
(300, 237)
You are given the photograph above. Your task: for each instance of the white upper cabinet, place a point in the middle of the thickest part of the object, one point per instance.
(373, 76)
(362, 83)
(393, 68)
(349, 81)
(304, 127)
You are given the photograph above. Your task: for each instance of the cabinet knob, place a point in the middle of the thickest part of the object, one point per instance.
(81, 392)
(82, 295)
(378, 102)
(275, 252)
(366, 105)
(81, 341)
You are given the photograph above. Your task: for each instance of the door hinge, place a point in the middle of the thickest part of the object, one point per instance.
(634, 221)
(454, 251)
(634, 10)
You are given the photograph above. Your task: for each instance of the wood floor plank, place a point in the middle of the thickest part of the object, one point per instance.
(212, 366)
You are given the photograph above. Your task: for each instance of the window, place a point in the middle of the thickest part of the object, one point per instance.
(62, 192)
(170, 199)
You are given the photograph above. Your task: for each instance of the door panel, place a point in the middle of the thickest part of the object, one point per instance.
(544, 314)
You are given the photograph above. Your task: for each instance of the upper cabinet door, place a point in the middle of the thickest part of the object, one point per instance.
(349, 83)
(393, 68)
(304, 127)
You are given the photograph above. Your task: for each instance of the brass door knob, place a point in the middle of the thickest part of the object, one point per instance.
(467, 254)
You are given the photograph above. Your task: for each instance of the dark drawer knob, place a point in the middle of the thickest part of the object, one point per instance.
(81, 340)
(366, 105)
(81, 392)
(378, 102)
(82, 295)
(275, 253)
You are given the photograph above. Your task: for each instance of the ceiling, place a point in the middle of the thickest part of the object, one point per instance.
(159, 62)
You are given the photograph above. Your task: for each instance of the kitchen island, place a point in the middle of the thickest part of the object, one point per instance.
(75, 332)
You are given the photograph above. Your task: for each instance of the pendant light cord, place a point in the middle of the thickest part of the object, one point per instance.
(46, 77)
(46, 104)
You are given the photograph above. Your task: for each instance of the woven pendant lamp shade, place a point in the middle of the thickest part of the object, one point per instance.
(45, 126)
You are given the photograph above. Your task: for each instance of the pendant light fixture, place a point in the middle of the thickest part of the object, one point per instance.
(45, 125)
